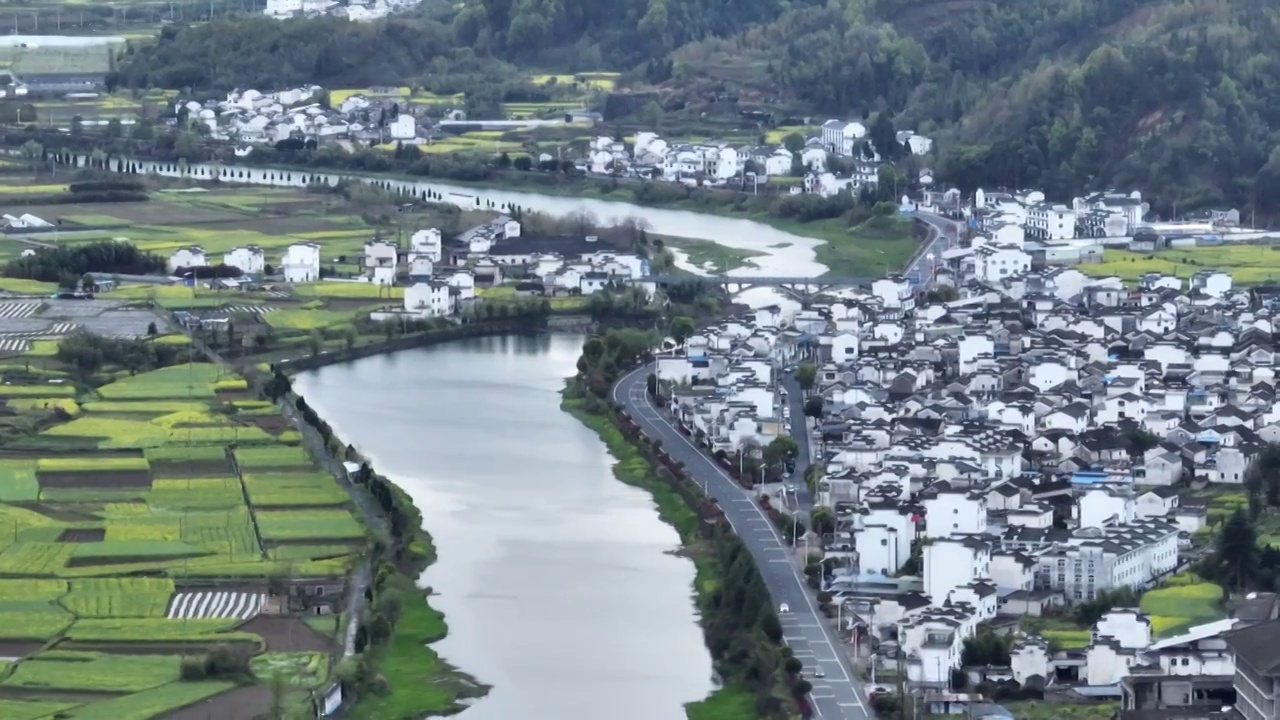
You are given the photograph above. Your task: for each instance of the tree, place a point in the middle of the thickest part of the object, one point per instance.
(652, 115)
(524, 163)
(682, 328)
(1236, 551)
(314, 342)
(1262, 479)
(806, 376)
(32, 151)
(187, 146)
(780, 451)
(794, 142)
(152, 331)
(815, 407)
(823, 520)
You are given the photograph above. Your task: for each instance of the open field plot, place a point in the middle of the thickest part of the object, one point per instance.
(1247, 264)
(32, 710)
(109, 673)
(1175, 608)
(119, 597)
(158, 630)
(272, 456)
(196, 493)
(18, 480)
(286, 525)
(207, 604)
(300, 669)
(32, 620)
(299, 489)
(195, 380)
(27, 590)
(151, 703)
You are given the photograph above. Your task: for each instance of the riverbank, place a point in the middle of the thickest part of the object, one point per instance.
(740, 627)
(394, 673)
(728, 702)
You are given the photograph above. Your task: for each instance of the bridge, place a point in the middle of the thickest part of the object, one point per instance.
(802, 288)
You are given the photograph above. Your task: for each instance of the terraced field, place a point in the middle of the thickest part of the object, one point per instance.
(146, 519)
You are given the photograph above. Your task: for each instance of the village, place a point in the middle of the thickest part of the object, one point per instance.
(1014, 449)
(383, 116)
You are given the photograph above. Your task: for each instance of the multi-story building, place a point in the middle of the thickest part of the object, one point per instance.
(1257, 676)
(1098, 559)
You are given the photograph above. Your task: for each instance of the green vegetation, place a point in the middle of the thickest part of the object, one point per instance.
(1247, 264)
(308, 525)
(713, 257)
(151, 703)
(94, 571)
(119, 597)
(1037, 710)
(413, 669)
(117, 673)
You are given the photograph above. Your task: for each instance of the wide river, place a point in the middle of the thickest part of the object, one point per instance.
(559, 583)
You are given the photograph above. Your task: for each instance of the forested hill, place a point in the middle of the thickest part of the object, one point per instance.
(1178, 98)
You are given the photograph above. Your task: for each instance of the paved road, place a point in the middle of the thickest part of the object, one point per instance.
(946, 235)
(800, 432)
(805, 629)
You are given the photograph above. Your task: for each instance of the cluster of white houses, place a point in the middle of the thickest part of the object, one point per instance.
(1015, 451)
(441, 277)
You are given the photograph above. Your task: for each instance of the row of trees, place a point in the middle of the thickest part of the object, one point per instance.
(66, 265)
(89, 353)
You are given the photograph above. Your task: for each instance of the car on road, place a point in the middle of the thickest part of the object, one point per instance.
(784, 608)
(819, 673)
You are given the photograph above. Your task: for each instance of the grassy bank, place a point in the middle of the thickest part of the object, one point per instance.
(418, 682)
(729, 702)
(710, 256)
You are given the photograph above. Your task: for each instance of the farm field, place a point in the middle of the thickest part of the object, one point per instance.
(145, 526)
(1184, 601)
(1247, 264)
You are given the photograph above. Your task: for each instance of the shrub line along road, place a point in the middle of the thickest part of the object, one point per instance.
(804, 628)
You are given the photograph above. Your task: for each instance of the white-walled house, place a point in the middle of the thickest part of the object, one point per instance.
(426, 242)
(429, 299)
(379, 261)
(188, 257)
(952, 562)
(301, 263)
(843, 138)
(250, 259)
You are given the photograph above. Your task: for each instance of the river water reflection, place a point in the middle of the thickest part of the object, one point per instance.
(558, 581)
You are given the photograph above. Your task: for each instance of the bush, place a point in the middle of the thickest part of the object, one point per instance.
(192, 669)
(228, 662)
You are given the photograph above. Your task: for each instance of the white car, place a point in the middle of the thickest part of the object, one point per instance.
(819, 673)
(784, 608)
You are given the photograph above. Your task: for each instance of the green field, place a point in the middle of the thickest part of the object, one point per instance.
(115, 673)
(1247, 264)
(137, 496)
(1183, 603)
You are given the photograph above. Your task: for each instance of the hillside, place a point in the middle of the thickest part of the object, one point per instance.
(1178, 98)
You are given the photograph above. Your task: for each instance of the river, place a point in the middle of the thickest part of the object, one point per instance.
(781, 254)
(558, 582)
